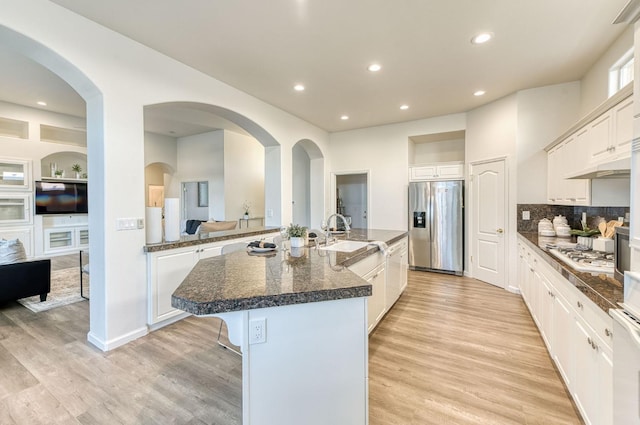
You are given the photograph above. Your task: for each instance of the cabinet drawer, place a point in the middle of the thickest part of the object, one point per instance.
(600, 322)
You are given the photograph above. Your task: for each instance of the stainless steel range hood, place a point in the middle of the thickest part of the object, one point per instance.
(617, 169)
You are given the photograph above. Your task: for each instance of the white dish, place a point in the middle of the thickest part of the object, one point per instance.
(257, 249)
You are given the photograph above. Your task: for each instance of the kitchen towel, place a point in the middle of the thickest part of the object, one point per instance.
(171, 219)
(154, 225)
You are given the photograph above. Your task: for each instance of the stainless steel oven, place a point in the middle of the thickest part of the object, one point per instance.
(622, 252)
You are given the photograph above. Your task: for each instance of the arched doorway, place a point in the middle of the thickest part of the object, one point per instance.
(308, 184)
(187, 121)
(92, 96)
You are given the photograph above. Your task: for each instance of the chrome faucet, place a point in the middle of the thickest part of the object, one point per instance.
(347, 228)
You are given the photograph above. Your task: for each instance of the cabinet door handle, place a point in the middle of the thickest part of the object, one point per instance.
(579, 304)
(499, 231)
(607, 332)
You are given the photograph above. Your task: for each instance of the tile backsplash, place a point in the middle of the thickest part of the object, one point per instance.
(573, 214)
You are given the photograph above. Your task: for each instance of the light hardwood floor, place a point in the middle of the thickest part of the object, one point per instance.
(458, 351)
(452, 351)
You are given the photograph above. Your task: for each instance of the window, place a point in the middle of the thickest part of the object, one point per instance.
(621, 73)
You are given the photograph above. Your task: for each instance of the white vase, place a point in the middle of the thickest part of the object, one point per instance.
(297, 242)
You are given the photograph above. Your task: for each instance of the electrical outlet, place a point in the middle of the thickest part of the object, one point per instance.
(526, 215)
(270, 212)
(257, 331)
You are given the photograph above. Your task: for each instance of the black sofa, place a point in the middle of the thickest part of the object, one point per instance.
(25, 279)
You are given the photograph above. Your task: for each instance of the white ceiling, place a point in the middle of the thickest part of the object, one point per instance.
(428, 62)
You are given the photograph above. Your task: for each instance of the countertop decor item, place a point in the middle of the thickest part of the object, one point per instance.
(297, 235)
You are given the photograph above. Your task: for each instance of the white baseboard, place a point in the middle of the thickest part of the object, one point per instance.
(162, 324)
(513, 289)
(116, 342)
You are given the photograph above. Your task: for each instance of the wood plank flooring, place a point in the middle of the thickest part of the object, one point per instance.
(458, 351)
(451, 351)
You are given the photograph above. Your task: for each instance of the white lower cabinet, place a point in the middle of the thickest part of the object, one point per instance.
(167, 269)
(397, 266)
(576, 332)
(372, 269)
(376, 304)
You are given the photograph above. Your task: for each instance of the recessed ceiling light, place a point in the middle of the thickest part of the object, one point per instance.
(298, 87)
(482, 38)
(344, 117)
(404, 107)
(374, 67)
(479, 93)
(41, 103)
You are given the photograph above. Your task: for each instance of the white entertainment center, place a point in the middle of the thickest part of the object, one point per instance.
(31, 140)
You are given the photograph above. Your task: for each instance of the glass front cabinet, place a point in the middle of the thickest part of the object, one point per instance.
(15, 174)
(15, 208)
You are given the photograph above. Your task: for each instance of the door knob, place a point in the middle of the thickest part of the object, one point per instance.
(499, 231)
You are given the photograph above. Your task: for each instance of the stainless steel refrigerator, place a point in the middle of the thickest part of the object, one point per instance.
(436, 226)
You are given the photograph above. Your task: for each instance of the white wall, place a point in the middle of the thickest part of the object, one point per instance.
(118, 78)
(244, 165)
(595, 83)
(159, 148)
(201, 158)
(492, 133)
(543, 114)
(384, 151)
(440, 151)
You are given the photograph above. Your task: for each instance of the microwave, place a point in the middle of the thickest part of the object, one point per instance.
(622, 253)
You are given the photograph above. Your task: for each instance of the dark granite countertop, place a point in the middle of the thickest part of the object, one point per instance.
(192, 240)
(602, 289)
(243, 280)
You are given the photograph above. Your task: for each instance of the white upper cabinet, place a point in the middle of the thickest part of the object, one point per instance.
(15, 174)
(611, 134)
(564, 159)
(441, 171)
(599, 133)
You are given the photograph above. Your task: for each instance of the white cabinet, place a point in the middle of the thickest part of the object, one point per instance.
(167, 269)
(577, 334)
(563, 160)
(593, 387)
(15, 208)
(622, 129)
(15, 174)
(62, 239)
(442, 171)
(376, 302)
(611, 134)
(25, 234)
(396, 280)
(600, 131)
(372, 269)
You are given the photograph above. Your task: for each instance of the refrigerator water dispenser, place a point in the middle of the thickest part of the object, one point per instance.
(419, 219)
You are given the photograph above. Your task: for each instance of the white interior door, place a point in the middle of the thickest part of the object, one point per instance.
(488, 192)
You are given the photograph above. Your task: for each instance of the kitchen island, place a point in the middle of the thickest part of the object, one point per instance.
(300, 319)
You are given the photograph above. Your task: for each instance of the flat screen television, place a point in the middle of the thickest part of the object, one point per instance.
(61, 198)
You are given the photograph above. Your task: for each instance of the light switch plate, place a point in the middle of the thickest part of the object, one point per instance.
(526, 215)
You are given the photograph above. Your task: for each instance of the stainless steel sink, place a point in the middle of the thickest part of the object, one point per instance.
(345, 246)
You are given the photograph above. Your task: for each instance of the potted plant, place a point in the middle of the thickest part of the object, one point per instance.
(78, 169)
(59, 173)
(297, 235)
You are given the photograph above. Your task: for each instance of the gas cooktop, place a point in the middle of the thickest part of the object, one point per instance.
(585, 260)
